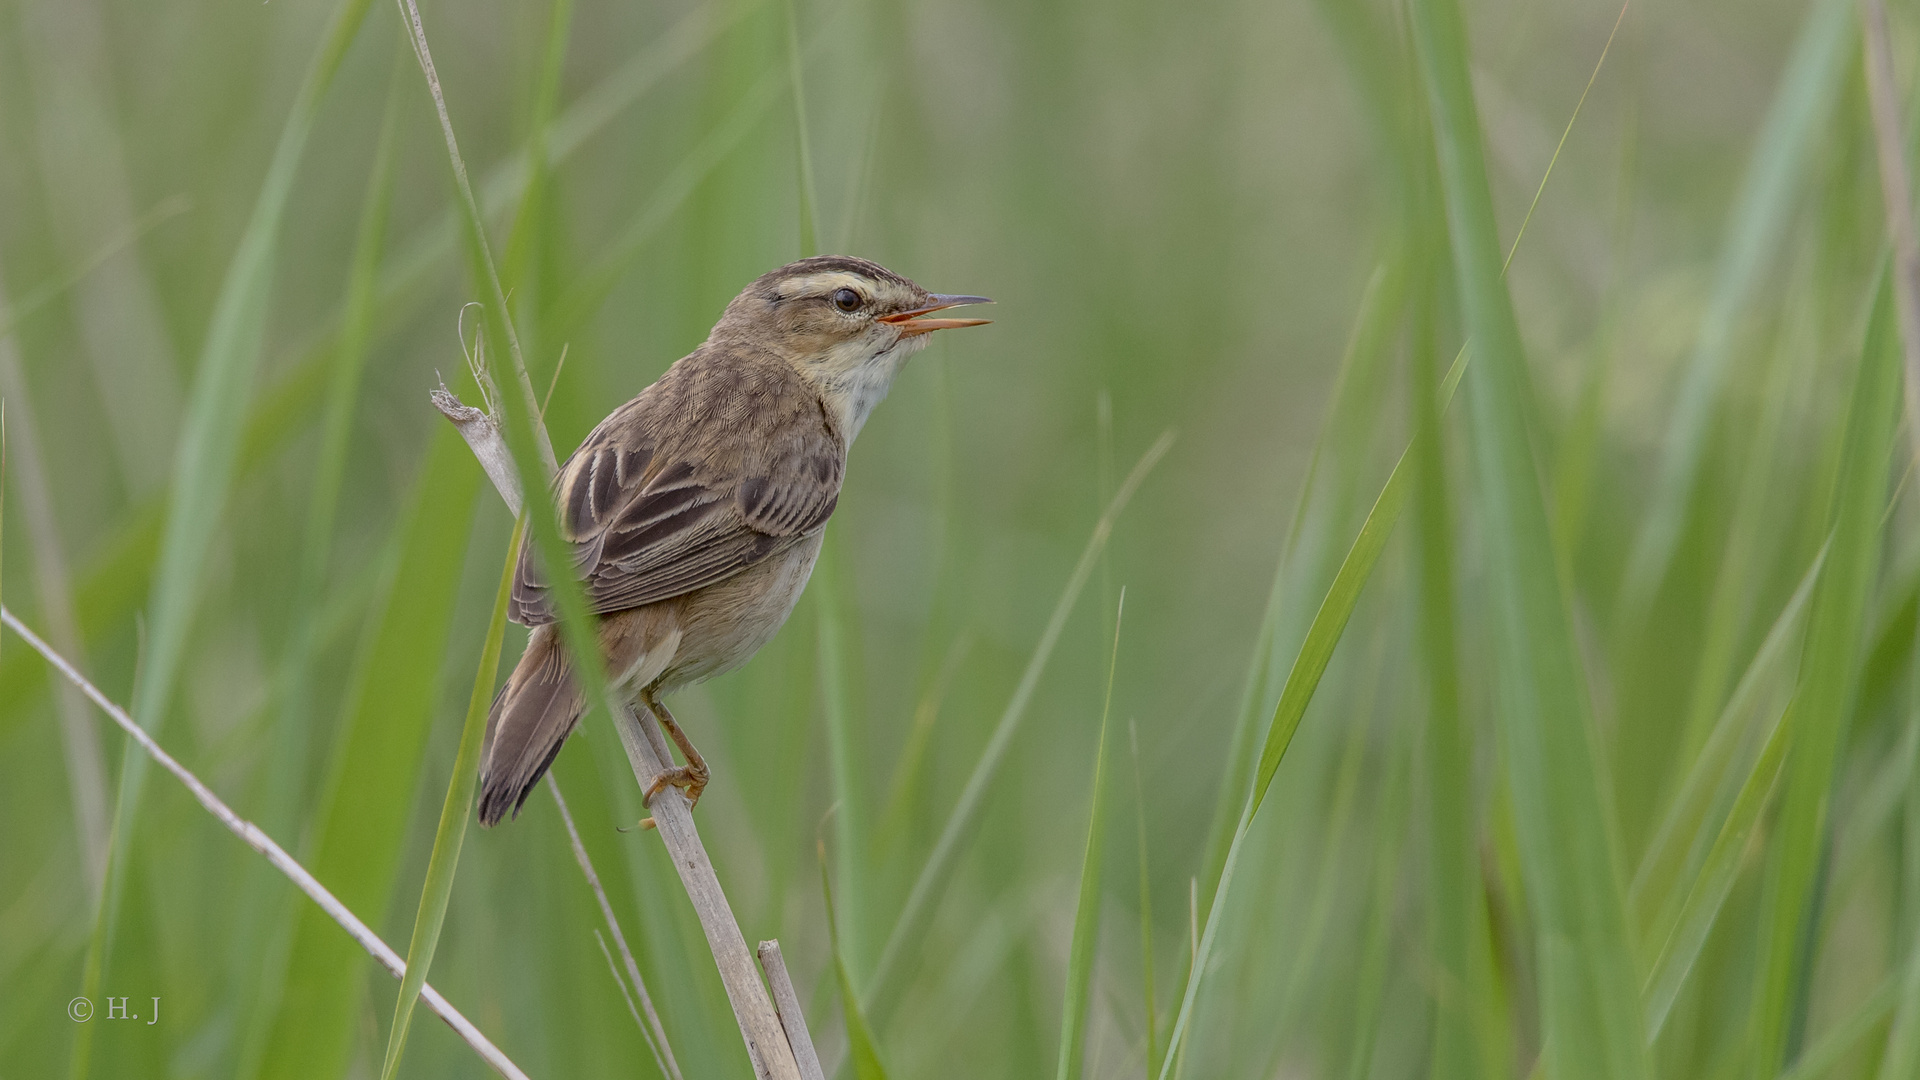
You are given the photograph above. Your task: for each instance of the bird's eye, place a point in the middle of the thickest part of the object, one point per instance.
(846, 299)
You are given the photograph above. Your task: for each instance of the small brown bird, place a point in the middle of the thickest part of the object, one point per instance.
(696, 510)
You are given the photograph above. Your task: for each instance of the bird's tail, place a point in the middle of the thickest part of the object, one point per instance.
(531, 718)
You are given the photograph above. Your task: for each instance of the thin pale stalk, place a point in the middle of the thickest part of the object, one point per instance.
(626, 995)
(803, 163)
(651, 1030)
(786, 1001)
(529, 442)
(283, 411)
(251, 835)
(496, 306)
(204, 468)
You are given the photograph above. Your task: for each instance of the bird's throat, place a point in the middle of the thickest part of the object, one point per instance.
(858, 378)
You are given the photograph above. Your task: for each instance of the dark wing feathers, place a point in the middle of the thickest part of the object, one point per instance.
(657, 506)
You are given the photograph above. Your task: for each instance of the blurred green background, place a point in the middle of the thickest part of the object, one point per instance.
(228, 500)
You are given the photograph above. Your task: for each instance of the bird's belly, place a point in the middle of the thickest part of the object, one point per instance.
(724, 624)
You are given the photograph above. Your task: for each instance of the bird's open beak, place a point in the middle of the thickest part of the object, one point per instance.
(911, 323)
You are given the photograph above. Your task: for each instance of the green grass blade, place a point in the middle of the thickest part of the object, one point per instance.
(362, 810)
(1681, 947)
(1679, 844)
(1146, 897)
(1728, 609)
(1349, 418)
(1329, 624)
(879, 994)
(832, 642)
(1456, 901)
(499, 321)
(1375, 948)
(1829, 677)
(1590, 1001)
(204, 467)
(863, 1050)
(107, 590)
(1757, 222)
(1086, 914)
(454, 812)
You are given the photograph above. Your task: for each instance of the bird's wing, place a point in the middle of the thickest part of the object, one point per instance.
(654, 512)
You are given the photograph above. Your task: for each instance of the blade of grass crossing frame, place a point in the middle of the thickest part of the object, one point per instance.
(204, 467)
(836, 706)
(878, 997)
(1375, 948)
(1086, 915)
(525, 432)
(1456, 901)
(1354, 402)
(1680, 948)
(863, 1050)
(834, 636)
(1756, 223)
(452, 830)
(1678, 849)
(1329, 623)
(265, 910)
(363, 806)
(1829, 674)
(1590, 1006)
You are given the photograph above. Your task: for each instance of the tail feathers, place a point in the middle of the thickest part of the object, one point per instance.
(531, 718)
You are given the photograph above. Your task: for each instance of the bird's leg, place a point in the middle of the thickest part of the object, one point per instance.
(693, 775)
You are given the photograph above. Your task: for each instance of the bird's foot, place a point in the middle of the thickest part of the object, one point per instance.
(690, 778)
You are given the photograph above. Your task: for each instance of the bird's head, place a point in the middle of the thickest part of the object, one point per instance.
(845, 324)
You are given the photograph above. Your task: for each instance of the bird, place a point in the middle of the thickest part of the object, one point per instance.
(695, 511)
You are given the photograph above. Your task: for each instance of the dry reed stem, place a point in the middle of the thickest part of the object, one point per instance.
(760, 1024)
(253, 837)
(772, 1057)
(767, 1046)
(792, 1017)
